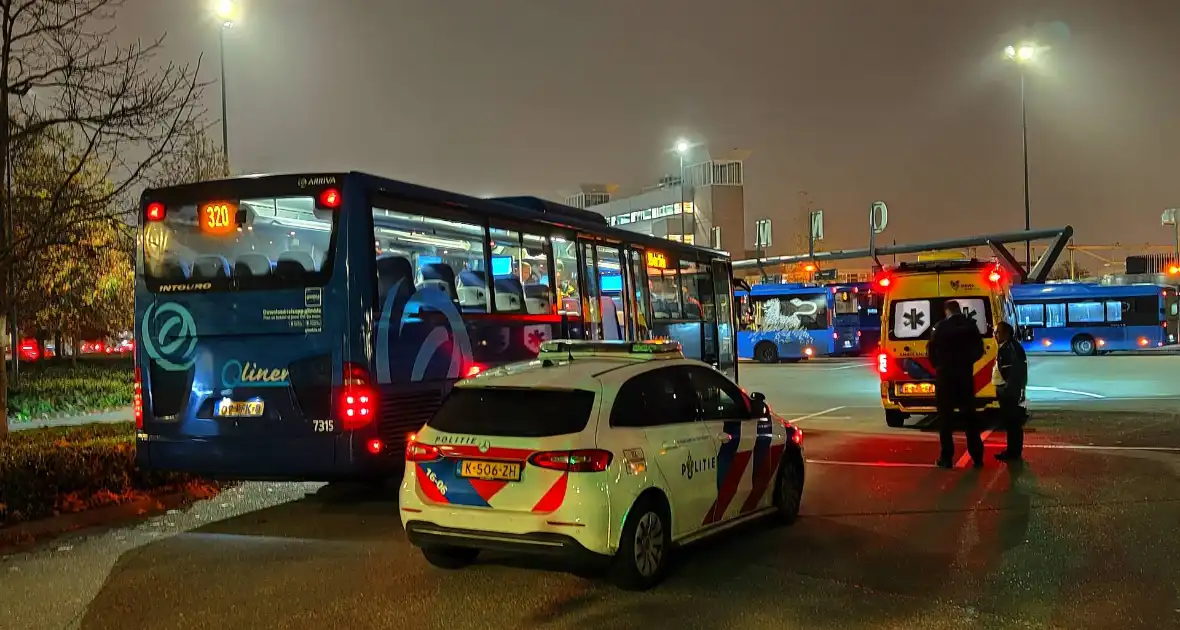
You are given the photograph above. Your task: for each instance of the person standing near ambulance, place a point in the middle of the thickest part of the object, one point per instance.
(1011, 378)
(955, 346)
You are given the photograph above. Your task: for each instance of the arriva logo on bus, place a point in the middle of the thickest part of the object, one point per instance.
(238, 374)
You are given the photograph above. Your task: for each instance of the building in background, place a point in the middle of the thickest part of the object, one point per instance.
(707, 207)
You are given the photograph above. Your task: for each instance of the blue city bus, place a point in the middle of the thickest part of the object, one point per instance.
(303, 326)
(856, 319)
(1090, 319)
(784, 322)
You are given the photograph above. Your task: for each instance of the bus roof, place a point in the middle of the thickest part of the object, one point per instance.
(784, 289)
(512, 208)
(1083, 290)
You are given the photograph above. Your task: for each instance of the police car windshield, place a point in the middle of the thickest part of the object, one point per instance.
(514, 411)
(912, 320)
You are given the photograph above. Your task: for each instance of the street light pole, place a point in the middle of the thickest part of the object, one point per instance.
(682, 147)
(224, 119)
(1024, 142)
(1023, 56)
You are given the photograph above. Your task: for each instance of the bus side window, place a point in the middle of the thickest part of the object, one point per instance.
(565, 277)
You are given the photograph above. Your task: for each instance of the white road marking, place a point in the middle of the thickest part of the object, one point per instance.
(962, 463)
(813, 415)
(830, 462)
(1058, 390)
(846, 367)
(1172, 449)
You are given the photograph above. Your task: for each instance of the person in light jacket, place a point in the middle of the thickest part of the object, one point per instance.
(1011, 379)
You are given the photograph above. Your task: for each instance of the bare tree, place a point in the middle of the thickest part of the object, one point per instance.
(194, 158)
(115, 111)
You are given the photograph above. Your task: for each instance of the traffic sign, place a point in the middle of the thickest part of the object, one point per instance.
(879, 217)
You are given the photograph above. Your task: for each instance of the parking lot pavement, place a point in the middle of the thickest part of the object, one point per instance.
(1083, 535)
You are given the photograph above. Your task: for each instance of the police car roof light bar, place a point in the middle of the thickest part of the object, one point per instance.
(569, 347)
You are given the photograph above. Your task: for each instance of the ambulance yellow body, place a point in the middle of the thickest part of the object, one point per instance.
(915, 300)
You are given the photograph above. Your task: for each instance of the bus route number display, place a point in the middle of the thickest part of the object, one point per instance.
(218, 217)
(656, 260)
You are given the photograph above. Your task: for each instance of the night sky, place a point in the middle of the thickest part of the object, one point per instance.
(851, 100)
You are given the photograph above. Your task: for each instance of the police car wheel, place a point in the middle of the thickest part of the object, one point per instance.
(450, 557)
(788, 491)
(643, 548)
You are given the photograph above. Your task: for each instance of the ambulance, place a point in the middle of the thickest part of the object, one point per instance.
(915, 301)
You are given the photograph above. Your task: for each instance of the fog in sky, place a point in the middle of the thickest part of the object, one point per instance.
(851, 100)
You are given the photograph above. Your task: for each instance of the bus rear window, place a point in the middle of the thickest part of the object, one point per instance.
(271, 243)
(514, 411)
(914, 319)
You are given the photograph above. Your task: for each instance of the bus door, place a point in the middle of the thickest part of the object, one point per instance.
(638, 299)
(605, 311)
(1172, 317)
(723, 319)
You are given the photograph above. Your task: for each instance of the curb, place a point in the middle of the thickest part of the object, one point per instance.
(58, 415)
(15, 537)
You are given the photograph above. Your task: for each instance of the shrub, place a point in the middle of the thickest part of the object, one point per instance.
(46, 472)
(58, 387)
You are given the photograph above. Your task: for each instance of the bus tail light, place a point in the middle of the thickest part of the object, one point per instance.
(155, 211)
(582, 460)
(473, 370)
(330, 199)
(137, 399)
(356, 406)
(419, 452)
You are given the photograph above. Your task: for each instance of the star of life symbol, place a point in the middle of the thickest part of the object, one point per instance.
(913, 319)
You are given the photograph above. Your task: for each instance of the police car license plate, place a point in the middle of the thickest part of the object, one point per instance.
(497, 471)
(231, 409)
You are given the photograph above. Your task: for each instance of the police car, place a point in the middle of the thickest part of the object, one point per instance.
(616, 451)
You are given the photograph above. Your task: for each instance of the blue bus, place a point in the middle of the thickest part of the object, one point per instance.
(856, 319)
(784, 322)
(303, 326)
(1090, 319)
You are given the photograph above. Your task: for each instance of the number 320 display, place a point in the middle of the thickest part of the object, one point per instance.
(218, 217)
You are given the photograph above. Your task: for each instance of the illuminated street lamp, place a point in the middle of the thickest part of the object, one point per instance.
(682, 148)
(227, 12)
(1024, 55)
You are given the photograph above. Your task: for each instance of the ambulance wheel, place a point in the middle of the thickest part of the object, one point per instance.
(766, 352)
(894, 418)
(1084, 346)
(445, 557)
(644, 546)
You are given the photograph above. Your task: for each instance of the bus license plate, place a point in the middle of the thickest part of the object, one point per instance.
(847, 344)
(496, 471)
(231, 409)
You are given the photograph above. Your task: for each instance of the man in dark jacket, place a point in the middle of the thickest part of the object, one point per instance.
(1012, 365)
(955, 346)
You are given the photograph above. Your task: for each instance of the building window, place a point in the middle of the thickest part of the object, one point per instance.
(716, 238)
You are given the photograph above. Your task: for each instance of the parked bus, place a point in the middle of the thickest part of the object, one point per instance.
(784, 322)
(1090, 319)
(856, 319)
(302, 326)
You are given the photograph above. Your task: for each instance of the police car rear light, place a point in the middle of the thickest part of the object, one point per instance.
(418, 452)
(582, 460)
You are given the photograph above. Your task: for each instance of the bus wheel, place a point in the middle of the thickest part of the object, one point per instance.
(1084, 346)
(766, 352)
(894, 418)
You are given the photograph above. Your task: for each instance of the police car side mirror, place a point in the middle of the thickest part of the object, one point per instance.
(758, 407)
